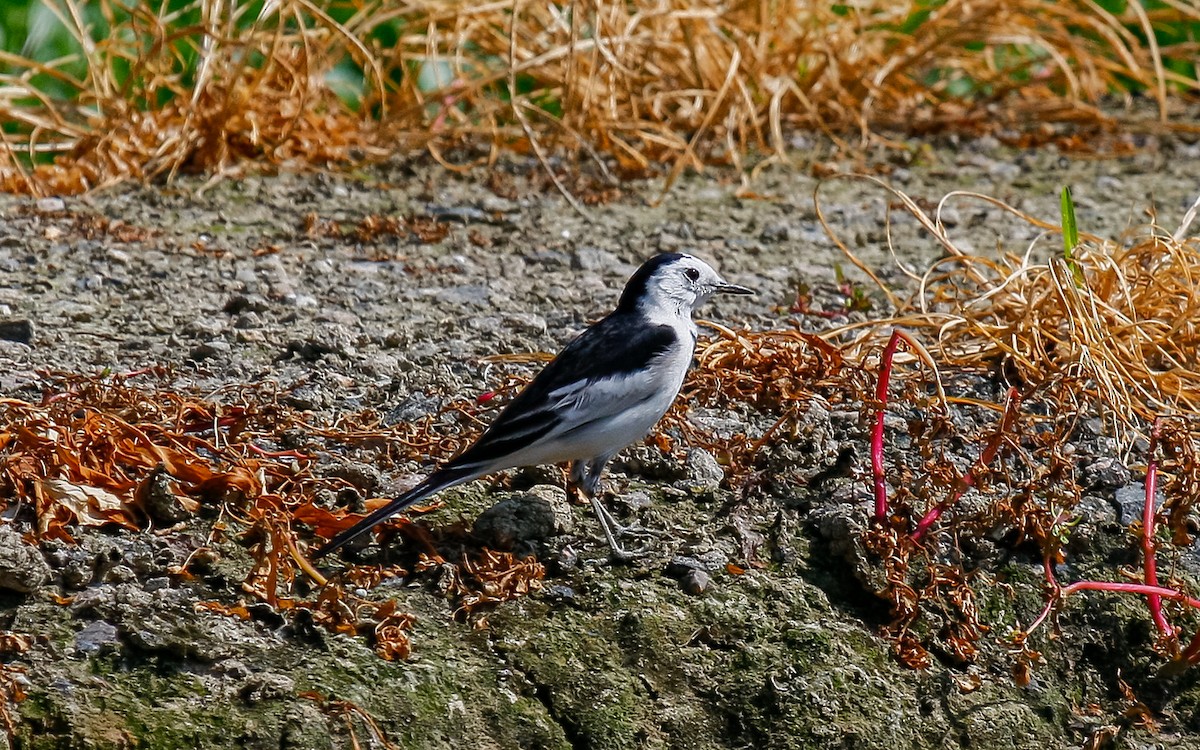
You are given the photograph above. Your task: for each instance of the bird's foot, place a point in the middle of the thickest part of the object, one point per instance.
(614, 532)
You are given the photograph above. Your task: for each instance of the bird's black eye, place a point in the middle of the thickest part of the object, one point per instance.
(691, 273)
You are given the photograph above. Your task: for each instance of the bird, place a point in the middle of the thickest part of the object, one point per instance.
(606, 389)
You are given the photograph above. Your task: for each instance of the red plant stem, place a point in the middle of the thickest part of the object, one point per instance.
(275, 454)
(1011, 405)
(1191, 654)
(1133, 588)
(881, 395)
(1149, 557)
(1161, 592)
(1052, 582)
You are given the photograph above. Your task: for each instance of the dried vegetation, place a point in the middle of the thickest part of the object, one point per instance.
(100, 451)
(1076, 329)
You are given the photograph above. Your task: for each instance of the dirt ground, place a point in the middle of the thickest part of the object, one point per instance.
(232, 284)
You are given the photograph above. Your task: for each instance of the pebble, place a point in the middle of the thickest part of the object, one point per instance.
(20, 330)
(1131, 500)
(209, 350)
(1106, 472)
(587, 258)
(691, 572)
(97, 637)
(695, 582)
(22, 567)
(703, 474)
(534, 516)
(160, 500)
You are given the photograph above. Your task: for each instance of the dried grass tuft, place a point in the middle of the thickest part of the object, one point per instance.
(1117, 319)
(206, 86)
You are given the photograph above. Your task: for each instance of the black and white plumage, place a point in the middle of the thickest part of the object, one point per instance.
(605, 390)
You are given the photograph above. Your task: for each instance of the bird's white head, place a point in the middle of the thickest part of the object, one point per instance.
(674, 284)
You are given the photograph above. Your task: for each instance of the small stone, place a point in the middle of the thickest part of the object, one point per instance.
(695, 582)
(311, 350)
(416, 406)
(497, 205)
(300, 301)
(703, 475)
(96, 638)
(160, 499)
(681, 565)
(20, 331)
(534, 516)
(559, 593)
(120, 574)
(157, 584)
(1131, 500)
(775, 232)
(248, 320)
(22, 567)
(209, 350)
(637, 500)
(243, 303)
(1002, 171)
(362, 476)
(1106, 472)
(266, 686)
(232, 668)
(305, 728)
(588, 258)
(51, 205)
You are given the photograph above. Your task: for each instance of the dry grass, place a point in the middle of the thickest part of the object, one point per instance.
(1118, 319)
(206, 87)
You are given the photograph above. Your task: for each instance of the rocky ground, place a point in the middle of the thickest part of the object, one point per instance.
(243, 282)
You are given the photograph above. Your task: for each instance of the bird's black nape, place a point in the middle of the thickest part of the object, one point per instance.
(636, 286)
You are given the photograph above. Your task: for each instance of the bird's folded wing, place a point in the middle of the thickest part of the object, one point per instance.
(605, 371)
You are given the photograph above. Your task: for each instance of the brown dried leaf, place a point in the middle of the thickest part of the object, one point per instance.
(90, 506)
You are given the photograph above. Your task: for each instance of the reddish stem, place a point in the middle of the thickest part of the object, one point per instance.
(1191, 654)
(1133, 588)
(275, 454)
(1160, 592)
(881, 395)
(1149, 558)
(966, 481)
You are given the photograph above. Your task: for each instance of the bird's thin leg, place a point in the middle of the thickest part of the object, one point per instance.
(613, 531)
(589, 472)
(576, 478)
(586, 476)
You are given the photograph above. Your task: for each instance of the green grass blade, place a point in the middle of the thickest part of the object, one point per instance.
(1070, 229)
(1070, 233)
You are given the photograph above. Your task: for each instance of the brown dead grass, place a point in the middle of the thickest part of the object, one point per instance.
(95, 451)
(1118, 321)
(679, 82)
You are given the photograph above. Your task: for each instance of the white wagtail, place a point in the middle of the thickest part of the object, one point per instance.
(606, 389)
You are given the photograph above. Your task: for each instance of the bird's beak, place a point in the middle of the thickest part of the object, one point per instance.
(733, 289)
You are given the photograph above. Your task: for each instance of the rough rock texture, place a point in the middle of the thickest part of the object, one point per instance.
(22, 568)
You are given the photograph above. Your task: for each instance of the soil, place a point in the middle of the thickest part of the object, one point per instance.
(690, 646)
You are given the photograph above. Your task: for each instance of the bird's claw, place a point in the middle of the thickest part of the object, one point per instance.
(614, 532)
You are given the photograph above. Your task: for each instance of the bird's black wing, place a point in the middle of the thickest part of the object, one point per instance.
(620, 344)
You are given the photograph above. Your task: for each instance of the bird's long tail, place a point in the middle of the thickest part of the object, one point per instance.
(435, 482)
